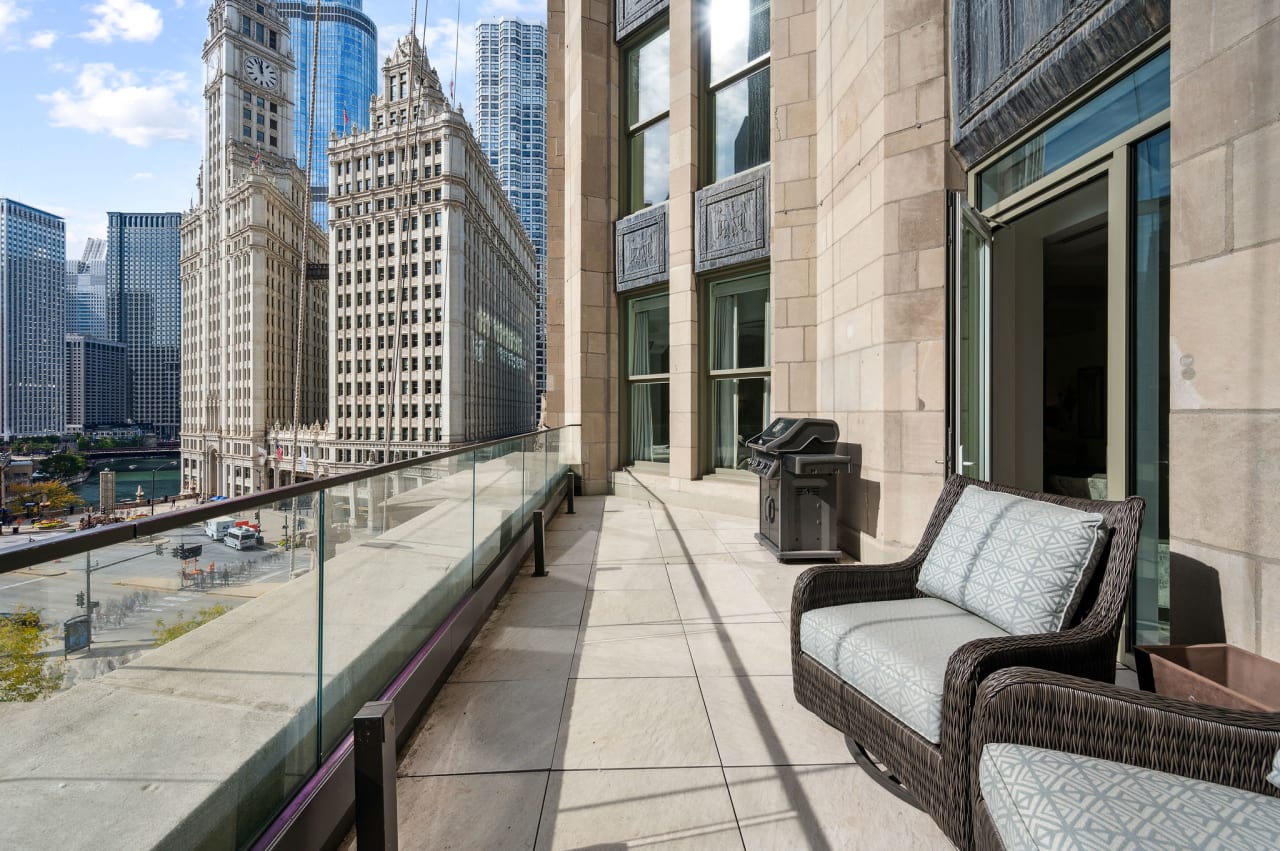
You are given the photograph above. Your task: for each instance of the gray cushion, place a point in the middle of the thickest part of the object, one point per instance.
(1021, 564)
(894, 652)
(1049, 799)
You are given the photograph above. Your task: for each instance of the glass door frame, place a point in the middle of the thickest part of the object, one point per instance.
(1113, 159)
(962, 217)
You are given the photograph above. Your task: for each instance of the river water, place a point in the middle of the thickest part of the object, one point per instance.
(167, 479)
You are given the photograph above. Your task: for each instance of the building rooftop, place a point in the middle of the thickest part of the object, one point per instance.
(640, 695)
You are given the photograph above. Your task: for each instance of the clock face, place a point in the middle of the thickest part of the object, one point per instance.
(261, 72)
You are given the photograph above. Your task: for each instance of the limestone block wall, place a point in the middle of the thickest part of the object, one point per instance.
(882, 167)
(793, 259)
(1224, 421)
(582, 329)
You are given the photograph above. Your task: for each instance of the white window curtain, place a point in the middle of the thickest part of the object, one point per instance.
(726, 357)
(641, 396)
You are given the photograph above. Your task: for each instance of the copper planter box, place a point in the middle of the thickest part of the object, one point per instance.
(1217, 674)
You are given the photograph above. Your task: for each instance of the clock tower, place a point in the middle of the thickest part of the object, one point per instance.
(246, 246)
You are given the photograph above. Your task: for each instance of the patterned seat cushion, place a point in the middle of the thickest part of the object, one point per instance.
(1021, 564)
(894, 652)
(1049, 799)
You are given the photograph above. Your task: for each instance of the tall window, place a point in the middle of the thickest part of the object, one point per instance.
(739, 353)
(648, 365)
(738, 79)
(648, 101)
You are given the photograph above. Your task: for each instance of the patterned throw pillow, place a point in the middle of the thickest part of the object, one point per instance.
(1021, 564)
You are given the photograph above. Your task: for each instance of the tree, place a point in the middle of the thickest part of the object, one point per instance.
(64, 465)
(52, 495)
(164, 633)
(24, 674)
(83, 442)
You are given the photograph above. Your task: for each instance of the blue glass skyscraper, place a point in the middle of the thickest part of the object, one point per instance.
(348, 78)
(511, 125)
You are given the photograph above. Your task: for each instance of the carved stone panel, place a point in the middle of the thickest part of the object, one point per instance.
(633, 14)
(731, 221)
(1015, 60)
(640, 249)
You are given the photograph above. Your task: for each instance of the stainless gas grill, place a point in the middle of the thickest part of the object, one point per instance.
(796, 460)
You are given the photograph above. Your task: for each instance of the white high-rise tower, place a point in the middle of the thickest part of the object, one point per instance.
(241, 262)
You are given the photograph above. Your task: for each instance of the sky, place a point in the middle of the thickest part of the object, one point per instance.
(103, 106)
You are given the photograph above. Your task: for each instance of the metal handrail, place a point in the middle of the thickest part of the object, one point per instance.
(119, 533)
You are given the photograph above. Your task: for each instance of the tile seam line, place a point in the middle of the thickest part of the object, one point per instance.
(564, 700)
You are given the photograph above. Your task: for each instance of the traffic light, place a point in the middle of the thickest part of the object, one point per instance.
(79, 599)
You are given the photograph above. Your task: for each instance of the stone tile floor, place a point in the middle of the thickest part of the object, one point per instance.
(640, 696)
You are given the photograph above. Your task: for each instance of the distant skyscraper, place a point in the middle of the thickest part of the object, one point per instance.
(86, 301)
(95, 373)
(511, 122)
(144, 311)
(431, 329)
(244, 245)
(33, 272)
(349, 77)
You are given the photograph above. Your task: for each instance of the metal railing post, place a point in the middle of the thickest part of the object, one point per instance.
(539, 546)
(375, 758)
(569, 510)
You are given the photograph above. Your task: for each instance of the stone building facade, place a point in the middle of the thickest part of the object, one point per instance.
(1028, 242)
(432, 289)
(250, 254)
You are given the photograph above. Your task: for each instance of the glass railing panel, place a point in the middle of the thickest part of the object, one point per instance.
(196, 658)
(500, 507)
(227, 654)
(396, 561)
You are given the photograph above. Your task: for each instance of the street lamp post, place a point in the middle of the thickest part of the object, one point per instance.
(153, 483)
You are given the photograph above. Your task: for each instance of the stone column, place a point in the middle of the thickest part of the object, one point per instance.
(1224, 398)
(882, 167)
(582, 159)
(685, 367)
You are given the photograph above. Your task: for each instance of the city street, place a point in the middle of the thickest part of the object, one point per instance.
(140, 582)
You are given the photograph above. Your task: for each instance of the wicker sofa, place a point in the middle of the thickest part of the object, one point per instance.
(928, 753)
(1062, 762)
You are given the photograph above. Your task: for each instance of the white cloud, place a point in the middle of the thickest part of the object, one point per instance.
(10, 14)
(143, 175)
(107, 100)
(80, 225)
(131, 20)
(43, 40)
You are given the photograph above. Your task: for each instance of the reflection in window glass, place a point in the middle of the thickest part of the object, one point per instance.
(650, 336)
(648, 80)
(742, 125)
(741, 412)
(649, 167)
(739, 34)
(1125, 103)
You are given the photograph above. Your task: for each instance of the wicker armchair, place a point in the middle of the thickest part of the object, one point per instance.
(937, 776)
(1041, 709)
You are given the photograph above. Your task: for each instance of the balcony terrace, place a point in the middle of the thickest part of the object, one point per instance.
(640, 696)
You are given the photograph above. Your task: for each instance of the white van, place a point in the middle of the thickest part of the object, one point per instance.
(217, 527)
(241, 538)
